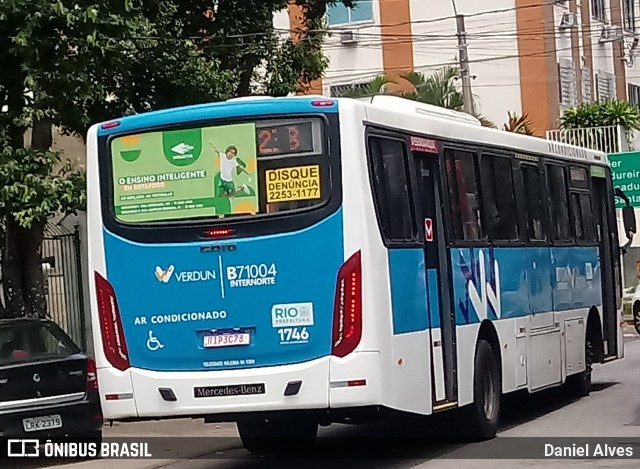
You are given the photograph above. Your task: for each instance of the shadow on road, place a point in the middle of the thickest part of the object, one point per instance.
(404, 442)
(400, 442)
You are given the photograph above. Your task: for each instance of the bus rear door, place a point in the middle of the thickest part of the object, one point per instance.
(441, 313)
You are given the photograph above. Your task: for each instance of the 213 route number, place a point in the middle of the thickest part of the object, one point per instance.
(289, 335)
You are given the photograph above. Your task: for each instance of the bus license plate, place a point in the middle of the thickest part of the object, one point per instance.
(227, 339)
(42, 423)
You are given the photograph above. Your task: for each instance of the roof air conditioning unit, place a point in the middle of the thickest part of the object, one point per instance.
(348, 38)
(569, 20)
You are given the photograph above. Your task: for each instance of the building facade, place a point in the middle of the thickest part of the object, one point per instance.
(526, 56)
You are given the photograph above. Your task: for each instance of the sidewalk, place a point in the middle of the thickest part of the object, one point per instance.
(223, 436)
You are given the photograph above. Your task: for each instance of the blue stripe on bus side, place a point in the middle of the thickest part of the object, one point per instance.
(434, 298)
(222, 110)
(408, 290)
(531, 280)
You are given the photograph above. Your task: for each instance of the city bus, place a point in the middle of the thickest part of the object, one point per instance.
(289, 263)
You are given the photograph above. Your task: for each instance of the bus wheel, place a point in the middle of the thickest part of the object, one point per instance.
(482, 417)
(579, 385)
(277, 435)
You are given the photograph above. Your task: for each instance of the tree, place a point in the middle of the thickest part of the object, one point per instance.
(376, 86)
(438, 89)
(600, 117)
(69, 63)
(601, 114)
(519, 124)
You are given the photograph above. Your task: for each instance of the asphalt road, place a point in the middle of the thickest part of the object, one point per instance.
(612, 410)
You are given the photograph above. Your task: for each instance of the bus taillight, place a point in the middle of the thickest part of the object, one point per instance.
(113, 341)
(347, 310)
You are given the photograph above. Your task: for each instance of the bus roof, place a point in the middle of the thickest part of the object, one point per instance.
(387, 110)
(248, 106)
(411, 116)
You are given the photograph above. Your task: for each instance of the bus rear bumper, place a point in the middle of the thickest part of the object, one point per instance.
(136, 393)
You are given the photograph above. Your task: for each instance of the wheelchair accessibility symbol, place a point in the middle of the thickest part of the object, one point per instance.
(153, 343)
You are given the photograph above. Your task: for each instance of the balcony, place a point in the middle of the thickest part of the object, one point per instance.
(611, 139)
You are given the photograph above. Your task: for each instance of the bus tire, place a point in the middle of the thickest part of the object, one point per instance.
(482, 417)
(277, 435)
(579, 385)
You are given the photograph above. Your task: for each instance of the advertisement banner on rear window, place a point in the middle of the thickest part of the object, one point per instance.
(181, 174)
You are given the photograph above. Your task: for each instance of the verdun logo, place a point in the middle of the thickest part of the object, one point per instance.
(164, 275)
(187, 276)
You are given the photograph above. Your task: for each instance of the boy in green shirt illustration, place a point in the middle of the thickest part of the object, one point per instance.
(229, 162)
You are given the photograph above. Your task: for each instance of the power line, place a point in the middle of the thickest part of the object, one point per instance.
(336, 29)
(361, 73)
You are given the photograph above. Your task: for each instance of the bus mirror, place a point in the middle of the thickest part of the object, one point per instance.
(618, 192)
(629, 221)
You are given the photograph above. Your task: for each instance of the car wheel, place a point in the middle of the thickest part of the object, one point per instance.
(277, 435)
(636, 318)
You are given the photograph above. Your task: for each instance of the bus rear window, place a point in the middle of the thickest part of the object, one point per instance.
(220, 171)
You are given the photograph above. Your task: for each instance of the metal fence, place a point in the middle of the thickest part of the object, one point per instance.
(610, 139)
(63, 273)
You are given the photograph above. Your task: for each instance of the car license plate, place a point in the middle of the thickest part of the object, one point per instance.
(42, 423)
(226, 339)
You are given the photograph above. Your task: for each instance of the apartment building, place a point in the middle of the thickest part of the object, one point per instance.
(526, 56)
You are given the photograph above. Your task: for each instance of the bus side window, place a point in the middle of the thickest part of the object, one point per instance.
(532, 180)
(498, 196)
(462, 178)
(588, 218)
(581, 210)
(392, 189)
(576, 214)
(583, 219)
(557, 187)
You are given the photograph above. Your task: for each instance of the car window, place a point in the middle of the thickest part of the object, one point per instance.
(33, 341)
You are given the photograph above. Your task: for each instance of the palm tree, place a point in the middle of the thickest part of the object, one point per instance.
(519, 124)
(438, 89)
(376, 86)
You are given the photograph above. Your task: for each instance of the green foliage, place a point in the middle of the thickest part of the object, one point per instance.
(438, 89)
(70, 63)
(601, 114)
(144, 55)
(32, 189)
(83, 62)
(486, 122)
(376, 86)
(519, 124)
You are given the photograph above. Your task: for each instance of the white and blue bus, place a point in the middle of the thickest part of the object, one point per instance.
(293, 262)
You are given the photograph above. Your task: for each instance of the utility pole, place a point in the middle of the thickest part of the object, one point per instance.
(463, 54)
(465, 74)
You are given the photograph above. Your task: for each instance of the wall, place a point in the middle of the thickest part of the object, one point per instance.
(361, 62)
